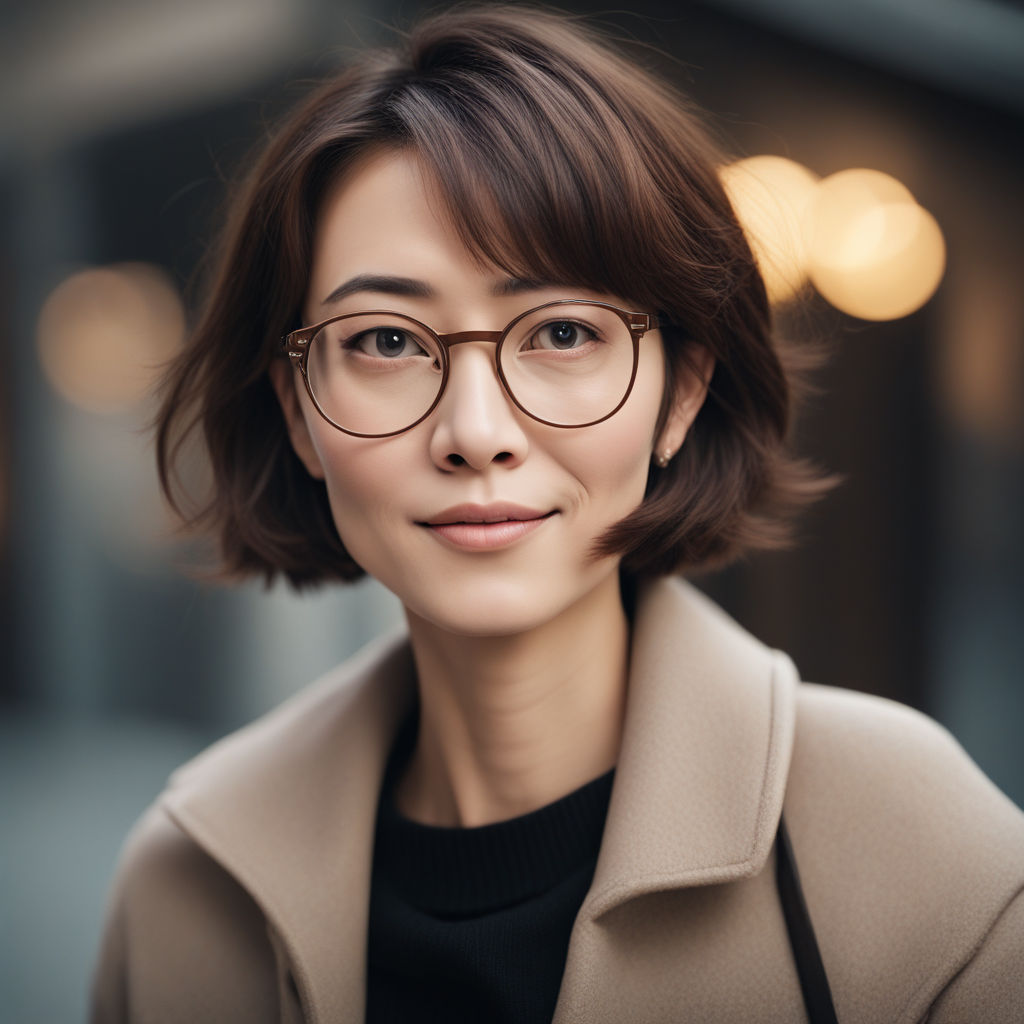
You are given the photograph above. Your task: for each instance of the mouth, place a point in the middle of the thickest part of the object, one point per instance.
(500, 512)
(485, 527)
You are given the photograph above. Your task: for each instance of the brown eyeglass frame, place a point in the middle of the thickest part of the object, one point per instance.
(297, 346)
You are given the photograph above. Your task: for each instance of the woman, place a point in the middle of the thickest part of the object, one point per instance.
(526, 375)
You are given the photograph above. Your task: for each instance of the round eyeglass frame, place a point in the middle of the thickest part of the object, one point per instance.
(297, 345)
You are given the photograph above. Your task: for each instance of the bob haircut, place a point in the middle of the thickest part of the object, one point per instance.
(555, 159)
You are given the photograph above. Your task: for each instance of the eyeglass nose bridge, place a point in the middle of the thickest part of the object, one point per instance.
(461, 337)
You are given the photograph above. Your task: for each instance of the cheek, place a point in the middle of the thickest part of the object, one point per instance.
(366, 481)
(614, 456)
(362, 480)
(610, 467)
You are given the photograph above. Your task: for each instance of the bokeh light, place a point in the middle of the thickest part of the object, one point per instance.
(105, 332)
(874, 253)
(771, 196)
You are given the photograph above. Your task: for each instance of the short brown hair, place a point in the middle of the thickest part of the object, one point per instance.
(557, 159)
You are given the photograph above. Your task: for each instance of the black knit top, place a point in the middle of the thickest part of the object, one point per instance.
(472, 924)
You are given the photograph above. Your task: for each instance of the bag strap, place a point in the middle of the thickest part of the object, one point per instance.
(809, 968)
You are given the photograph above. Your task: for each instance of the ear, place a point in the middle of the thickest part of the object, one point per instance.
(691, 388)
(286, 385)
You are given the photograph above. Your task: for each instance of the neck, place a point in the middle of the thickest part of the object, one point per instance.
(511, 723)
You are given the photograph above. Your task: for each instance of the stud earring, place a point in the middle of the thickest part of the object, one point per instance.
(662, 459)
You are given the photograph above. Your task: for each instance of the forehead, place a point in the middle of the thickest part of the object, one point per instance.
(384, 228)
(382, 216)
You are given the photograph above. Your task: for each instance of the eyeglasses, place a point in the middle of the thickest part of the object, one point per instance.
(568, 363)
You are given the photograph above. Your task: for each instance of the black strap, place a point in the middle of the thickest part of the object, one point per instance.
(809, 968)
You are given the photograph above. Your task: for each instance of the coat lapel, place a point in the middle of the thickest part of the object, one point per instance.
(705, 752)
(287, 806)
(697, 795)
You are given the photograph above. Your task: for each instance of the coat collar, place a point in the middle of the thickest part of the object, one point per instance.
(288, 804)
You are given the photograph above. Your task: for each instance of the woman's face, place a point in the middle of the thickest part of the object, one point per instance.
(398, 501)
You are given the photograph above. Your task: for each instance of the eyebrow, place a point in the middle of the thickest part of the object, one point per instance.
(408, 287)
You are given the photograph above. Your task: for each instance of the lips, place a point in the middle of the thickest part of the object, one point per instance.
(485, 527)
(499, 512)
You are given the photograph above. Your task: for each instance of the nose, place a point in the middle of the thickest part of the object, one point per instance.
(475, 424)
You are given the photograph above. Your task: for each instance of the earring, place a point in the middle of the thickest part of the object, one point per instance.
(662, 459)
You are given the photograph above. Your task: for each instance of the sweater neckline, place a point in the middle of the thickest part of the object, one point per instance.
(461, 872)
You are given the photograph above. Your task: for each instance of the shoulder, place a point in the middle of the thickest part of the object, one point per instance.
(862, 755)
(164, 876)
(190, 895)
(909, 854)
(174, 914)
(284, 746)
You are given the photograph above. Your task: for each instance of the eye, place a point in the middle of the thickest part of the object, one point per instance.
(388, 343)
(561, 336)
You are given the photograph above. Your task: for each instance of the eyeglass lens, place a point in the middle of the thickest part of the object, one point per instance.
(568, 364)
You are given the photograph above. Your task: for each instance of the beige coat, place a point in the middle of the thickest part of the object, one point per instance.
(242, 895)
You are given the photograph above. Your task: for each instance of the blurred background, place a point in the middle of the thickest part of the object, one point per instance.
(121, 124)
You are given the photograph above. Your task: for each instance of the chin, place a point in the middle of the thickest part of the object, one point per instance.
(474, 615)
(497, 605)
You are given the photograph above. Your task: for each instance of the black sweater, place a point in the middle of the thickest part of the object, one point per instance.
(472, 924)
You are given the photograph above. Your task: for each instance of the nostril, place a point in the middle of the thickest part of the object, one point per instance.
(456, 460)
(503, 457)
